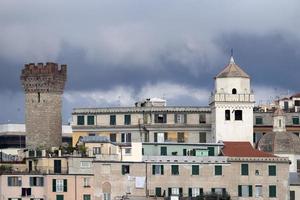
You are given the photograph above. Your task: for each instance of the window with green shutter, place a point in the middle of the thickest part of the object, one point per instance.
(59, 197)
(272, 170)
(53, 185)
(127, 119)
(218, 170)
(86, 197)
(91, 120)
(245, 191)
(195, 169)
(258, 120)
(272, 190)
(158, 191)
(174, 169)
(244, 170)
(112, 120)
(80, 120)
(163, 151)
(295, 120)
(65, 185)
(211, 151)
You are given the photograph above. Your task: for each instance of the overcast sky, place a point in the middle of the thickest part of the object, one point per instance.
(119, 52)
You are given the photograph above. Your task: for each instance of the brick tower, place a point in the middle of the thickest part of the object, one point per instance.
(43, 86)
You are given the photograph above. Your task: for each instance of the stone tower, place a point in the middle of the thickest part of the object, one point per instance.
(43, 86)
(232, 105)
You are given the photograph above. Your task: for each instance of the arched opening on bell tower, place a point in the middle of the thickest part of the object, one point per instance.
(233, 91)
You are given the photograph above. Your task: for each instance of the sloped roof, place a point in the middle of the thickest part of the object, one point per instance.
(242, 149)
(232, 70)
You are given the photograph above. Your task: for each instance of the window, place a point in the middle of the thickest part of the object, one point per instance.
(245, 190)
(16, 199)
(297, 102)
(218, 170)
(106, 196)
(59, 185)
(157, 169)
(36, 181)
(96, 150)
(158, 192)
(26, 192)
(211, 151)
(57, 166)
(238, 115)
(286, 105)
(59, 197)
(292, 195)
(244, 170)
(272, 190)
(112, 120)
(127, 119)
(180, 118)
(160, 137)
(175, 191)
(14, 181)
(125, 169)
(220, 191)
(180, 137)
(272, 170)
(202, 137)
(258, 120)
(202, 118)
(227, 114)
(295, 120)
(126, 137)
(298, 166)
(86, 182)
(195, 169)
(194, 192)
(127, 151)
(86, 197)
(91, 120)
(160, 118)
(163, 151)
(174, 169)
(113, 137)
(233, 91)
(80, 120)
(258, 191)
(85, 164)
(146, 136)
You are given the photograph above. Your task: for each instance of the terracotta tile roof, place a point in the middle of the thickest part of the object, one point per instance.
(295, 95)
(242, 149)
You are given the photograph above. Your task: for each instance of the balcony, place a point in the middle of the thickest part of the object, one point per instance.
(232, 97)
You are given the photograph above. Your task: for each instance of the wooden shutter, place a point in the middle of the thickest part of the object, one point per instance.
(190, 192)
(180, 191)
(153, 169)
(201, 191)
(169, 191)
(165, 136)
(162, 169)
(250, 191)
(53, 185)
(240, 190)
(65, 185)
(31, 181)
(155, 137)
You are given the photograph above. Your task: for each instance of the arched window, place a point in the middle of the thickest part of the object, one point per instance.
(233, 91)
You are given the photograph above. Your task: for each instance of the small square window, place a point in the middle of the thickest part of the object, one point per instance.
(127, 119)
(125, 169)
(259, 120)
(174, 169)
(112, 120)
(80, 120)
(195, 169)
(91, 120)
(218, 170)
(295, 120)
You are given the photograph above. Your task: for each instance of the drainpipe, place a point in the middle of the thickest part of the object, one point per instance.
(75, 187)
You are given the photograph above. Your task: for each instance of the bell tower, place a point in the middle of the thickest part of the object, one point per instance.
(232, 105)
(43, 86)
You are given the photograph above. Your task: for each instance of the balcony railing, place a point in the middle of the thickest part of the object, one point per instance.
(232, 97)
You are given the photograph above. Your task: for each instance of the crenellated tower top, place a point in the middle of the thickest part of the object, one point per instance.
(44, 78)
